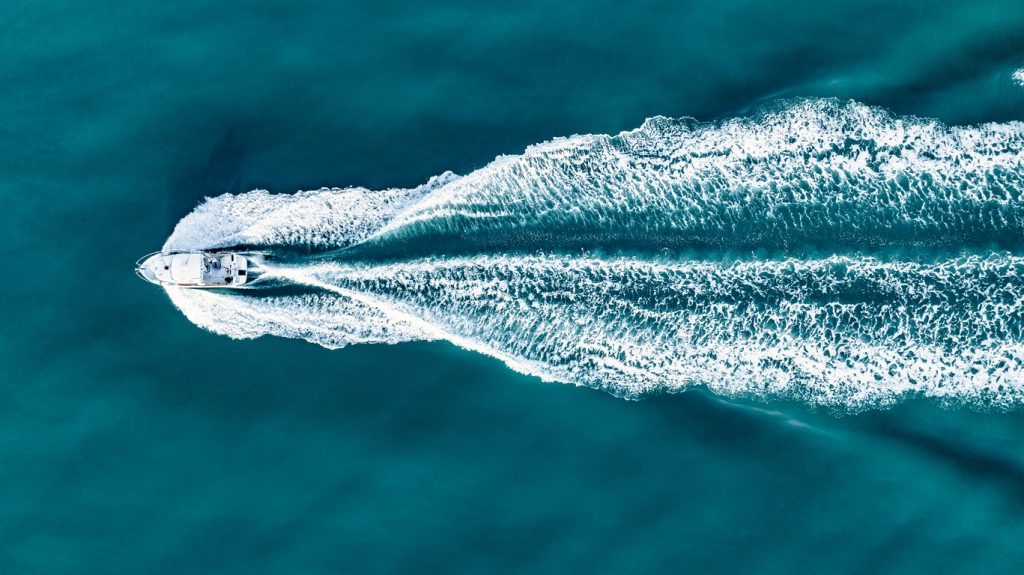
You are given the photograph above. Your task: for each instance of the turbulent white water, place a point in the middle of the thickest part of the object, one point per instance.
(842, 331)
(328, 217)
(819, 172)
(460, 259)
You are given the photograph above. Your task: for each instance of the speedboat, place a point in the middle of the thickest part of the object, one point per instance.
(194, 269)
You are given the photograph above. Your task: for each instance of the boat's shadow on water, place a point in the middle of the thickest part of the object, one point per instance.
(916, 426)
(221, 173)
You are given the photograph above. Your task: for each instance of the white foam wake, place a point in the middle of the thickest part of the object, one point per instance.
(814, 170)
(328, 217)
(844, 332)
(822, 172)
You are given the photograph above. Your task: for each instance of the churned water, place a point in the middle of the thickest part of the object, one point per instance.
(779, 264)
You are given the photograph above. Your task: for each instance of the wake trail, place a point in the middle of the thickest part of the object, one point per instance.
(820, 251)
(843, 332)
(817, 173)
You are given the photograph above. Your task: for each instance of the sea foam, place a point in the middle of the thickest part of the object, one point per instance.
(491, 261)
(808, 172)
(820, 172)
(328, 217)
(844, 332)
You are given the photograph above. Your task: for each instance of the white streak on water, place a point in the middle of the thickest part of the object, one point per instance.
(813, 171)
(848, 332)
(328, 217)
(844, 332)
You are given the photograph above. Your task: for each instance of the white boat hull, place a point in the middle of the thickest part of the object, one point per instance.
(194, 269)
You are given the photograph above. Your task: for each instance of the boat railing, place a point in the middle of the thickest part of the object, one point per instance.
(140, 261)
(138, 266)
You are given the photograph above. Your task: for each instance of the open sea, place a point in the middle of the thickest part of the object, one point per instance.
(545, 287)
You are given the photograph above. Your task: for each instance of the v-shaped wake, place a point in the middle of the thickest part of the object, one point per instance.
(820, 251)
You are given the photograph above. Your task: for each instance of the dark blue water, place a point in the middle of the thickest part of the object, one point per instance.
(132, 440)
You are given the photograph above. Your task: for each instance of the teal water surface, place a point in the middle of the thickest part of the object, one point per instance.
(132, 440)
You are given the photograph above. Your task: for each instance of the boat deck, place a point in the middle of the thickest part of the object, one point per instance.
(194, 269)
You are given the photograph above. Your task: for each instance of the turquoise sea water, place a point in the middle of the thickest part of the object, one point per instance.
(700, 265)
